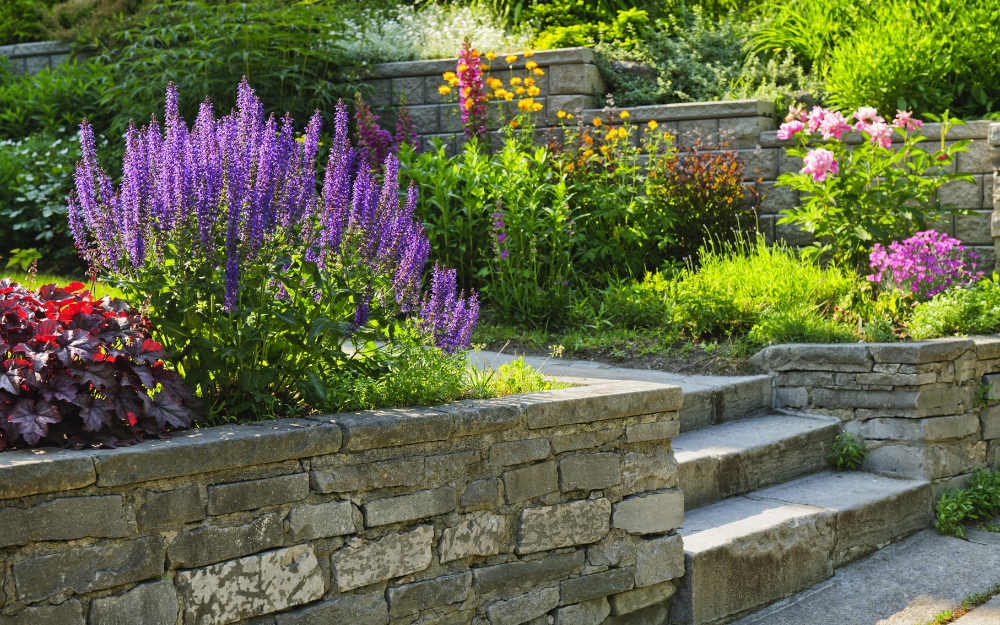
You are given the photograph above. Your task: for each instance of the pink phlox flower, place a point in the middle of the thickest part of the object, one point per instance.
(834, 125)
(880, 134)
(868, 114)
(819, 163)
(904, 119)
(789, 128)
(925, 264)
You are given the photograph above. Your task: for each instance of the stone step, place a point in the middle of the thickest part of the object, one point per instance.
(742, 456)
(744, 553)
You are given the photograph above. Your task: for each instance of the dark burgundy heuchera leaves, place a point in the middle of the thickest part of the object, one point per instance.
(78, 371)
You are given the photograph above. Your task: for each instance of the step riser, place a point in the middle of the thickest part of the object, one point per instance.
(708, 479)
(868, 529)
(731, 402)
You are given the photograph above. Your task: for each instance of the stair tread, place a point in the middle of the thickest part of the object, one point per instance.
(737, 436)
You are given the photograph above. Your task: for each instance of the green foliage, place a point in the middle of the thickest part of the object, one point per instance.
(978, 501)
(625, 28)
(971, 309)
(20, 21)
(879, 330)
(511, 378)
(53, 100)
(847, 452)
(953, 508)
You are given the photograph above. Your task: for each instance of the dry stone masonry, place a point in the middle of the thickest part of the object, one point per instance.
(555, 507)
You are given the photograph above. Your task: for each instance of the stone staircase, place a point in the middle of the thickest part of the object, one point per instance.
(766, 518)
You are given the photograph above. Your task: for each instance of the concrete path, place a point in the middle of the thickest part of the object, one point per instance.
(907, 583)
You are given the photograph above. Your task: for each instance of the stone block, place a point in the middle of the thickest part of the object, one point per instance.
(962, 194)
(381, 89)
(424, 119)
(928, 430)
(792, 397)
(921, 352)
(208, 545)
(788, 164)
(575, 79)
(253, 494)
(974, 229)
(990, 421)
(597, 402)
(67, 613)
(705, 130)
(596, 585)
(451, 467)
(584, 440)
(563, 525)
(481, 493)
(414, 598)
(371, 476)
(64, 519)
(896, 379)
(513, 578)
(478, 534)
(530, 482)
(412, 88)
(650, 513)
(170, 507)
(573, 104)
(848, 357)
(366, 609)
(744, 132)
(419, 505)
(587, 613)
(777, 199)
(429, 144)
(976, 160)
(590, 471)
(309, 522)
(639, 598)
(658, 560)
(937, 461)
(378, 429)
(205, 450)
(656, 431)
(653, 615)
(519, 452)
(925, 400)
(148, 604)
(251, 586)
(524, 608)
(482, 416)
(792, 234)
(26, 472)
(89, 568)
(651, 470)
(758, 164)
(394, 555)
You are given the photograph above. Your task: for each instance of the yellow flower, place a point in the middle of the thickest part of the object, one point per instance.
(570, 167)
(623, 115)
(529, 53)
(510, 59)
(597, 121)
(515, 81)
(529, 81)
(468, 103)
(514, 123)
(530, 64)
(588, 153)
(538, 71)
(482, 66)
(500, 93)
(533, 91)
(444, 90)
(605, 150)
(611, 134)
(463, 68)
(449, 75)
(569, 116)
(491, 55)
(453, 82)
(508, 96)
(519, 90)
(561, 114)
(588, 139)
(653, 125)
(537, 106)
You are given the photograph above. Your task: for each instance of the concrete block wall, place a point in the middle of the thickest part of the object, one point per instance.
(554, 507)
(914, 403)
(30, 58)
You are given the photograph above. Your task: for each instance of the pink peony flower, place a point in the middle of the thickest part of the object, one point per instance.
(788, 129)
(867, 114)
(834, 125)
(904, 120)
(796, 112)
(819, 163)
(880, 134)
(815, 118)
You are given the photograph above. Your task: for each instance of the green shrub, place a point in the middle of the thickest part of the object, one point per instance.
(971, 309)
(954, 507)
(20, 21)
(54, 98)
(847, 452)
(512, 378)
(978, 501)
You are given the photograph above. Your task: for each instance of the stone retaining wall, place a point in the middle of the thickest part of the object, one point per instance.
(913, 403)
(994, 141)
(555, 507)
(26, 59)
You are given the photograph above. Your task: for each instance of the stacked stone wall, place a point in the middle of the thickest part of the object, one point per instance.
(915, 404)
(26, 59)
(555, 507)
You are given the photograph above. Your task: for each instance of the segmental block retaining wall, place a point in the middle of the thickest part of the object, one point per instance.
(558, 506)
(26, 59)
(915, 404)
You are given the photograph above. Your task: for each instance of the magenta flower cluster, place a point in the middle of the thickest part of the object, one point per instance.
(925, 264)
(376, 141)
(472, 95)
(231, 192)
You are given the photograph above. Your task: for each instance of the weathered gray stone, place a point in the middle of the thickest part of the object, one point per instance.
(334, 518)
(596, 585)
(584, 440)
(89, 568)
(32, 471)
(937, 461)
(587, 613)
(218, 448)
(586, 404)
(652, 470)
(990, 421)
(208, 545)
(615, 549)
(171, 507)
(846, 357)
(530, 482)
(639, 598)
(512, 578)
(650, 513)
(481, 493)
(148, 604)
(253, 494)
(897, 379)
(929, 430)
(67, 613)
(658, 560)
(64, 519)
(367, 609)
(653, 615)
(575, 79)
(419, 505)
(393, 555)
(524, 608)
(919, 352)
(656, 431)
(563, 525)
(433, 593)
(479, 534)
(377, 429)
(451, 467)
(251, 586)
(361, 477)
(923, 401)
(483, 416)
(519, 452)
(589, 472)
